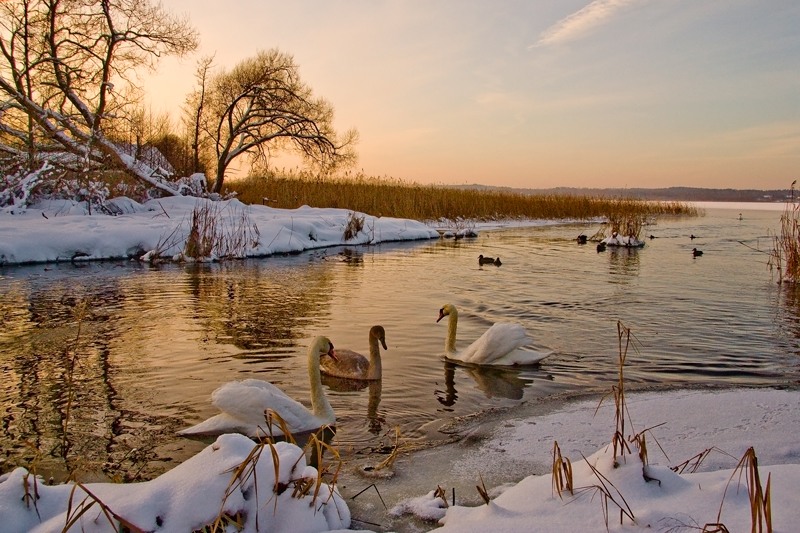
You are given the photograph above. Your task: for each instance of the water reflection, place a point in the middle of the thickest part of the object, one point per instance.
(375, 420)
(352, 257)
(258, 308)
(157, 341)
(494, 382)
(73, 352)
(623, 263)
(788, 295)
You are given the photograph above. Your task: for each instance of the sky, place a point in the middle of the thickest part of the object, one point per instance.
(540, 94)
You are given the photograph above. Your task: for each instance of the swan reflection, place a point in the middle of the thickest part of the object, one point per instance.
(375, 421)
(494, 382)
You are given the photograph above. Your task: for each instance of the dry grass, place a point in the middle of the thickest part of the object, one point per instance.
(355, 223)
(785, 255)
(759, 496)
(396, 198)
(694, 462)
(562, 472)
(608, 494)
(208, 239)
(300, 486)
(618, 441)
(389, 461)
(79, 312)
(82, 507)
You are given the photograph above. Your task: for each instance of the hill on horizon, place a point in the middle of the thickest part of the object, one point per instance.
(686, 194)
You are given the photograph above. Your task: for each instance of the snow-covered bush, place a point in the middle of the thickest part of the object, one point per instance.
(19, 186)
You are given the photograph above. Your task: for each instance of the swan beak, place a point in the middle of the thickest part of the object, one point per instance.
(441, 314)
(332, 354)
(383, 342)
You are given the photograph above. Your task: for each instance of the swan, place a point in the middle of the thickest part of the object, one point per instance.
(244, 404)
(353, 365)
(504, 343)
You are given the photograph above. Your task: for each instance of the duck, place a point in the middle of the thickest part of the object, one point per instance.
(482, 260)
(245, 404)
(601, 247)
(497, 262)
(582, 239)
(503, 344)
(352, 365)
(696, 252)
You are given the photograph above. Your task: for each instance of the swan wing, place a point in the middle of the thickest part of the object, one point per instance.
(350, 364)
(502, 344)
(246, 402)
(225, 423)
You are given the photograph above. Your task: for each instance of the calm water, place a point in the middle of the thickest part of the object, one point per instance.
(157, 340)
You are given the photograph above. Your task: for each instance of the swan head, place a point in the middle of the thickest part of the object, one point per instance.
(379, 333)
(447, 309)
(324, 346)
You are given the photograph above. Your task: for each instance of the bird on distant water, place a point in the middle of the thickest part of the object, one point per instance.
(601, 247)
(582, 239)
(692, 236)
(497, 262)
(485, 260)
(696, 252)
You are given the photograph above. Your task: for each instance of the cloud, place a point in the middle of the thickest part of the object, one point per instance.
(580, 22)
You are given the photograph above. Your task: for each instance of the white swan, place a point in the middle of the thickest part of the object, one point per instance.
(352, 365)
(504, 343)
(244, 404)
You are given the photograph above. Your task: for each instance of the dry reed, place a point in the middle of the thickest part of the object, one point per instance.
(209, 239)
(397, 198)
(758, 495)
(561, 472)
(785, 255)
(608, 494)
(74, 515)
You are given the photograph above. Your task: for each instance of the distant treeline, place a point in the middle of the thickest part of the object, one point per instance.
(679, 194)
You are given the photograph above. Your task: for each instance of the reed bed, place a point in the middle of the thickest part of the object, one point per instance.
(397, 198)
(785, 255)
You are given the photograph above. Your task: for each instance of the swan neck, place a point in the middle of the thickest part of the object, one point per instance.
(320, 405)
(375, 370)
(452, 325)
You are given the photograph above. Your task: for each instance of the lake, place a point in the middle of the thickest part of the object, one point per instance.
(155, 341)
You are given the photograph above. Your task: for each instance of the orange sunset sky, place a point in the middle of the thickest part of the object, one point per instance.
(533, 93)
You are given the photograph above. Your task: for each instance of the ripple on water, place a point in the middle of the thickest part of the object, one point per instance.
(156, 342)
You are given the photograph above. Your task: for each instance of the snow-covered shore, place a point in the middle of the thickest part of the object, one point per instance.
(64, 231)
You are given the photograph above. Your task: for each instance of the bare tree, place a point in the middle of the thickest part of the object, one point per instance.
(195, 103)
(262, 106)
(65, 64)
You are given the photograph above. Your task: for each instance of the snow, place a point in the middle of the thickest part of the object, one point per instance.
(193, 494)
(54, 231)
(187, 498)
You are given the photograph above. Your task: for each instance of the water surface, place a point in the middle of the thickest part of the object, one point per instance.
(156, 341)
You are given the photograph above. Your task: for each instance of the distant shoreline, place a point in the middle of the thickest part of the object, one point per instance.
(671, 194)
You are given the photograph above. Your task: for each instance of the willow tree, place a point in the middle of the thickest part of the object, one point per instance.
(261, 107)
(66, 68)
